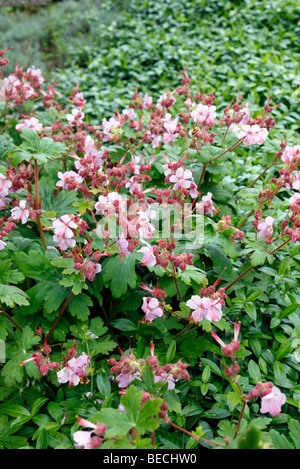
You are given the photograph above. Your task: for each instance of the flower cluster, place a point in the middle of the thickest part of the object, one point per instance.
(272, 399)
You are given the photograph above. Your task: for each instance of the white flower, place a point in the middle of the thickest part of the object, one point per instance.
(20, 212)
(76, 117)
(205, 308)
(31, 123)
(151, 309)
(204, 114)
(181, 178)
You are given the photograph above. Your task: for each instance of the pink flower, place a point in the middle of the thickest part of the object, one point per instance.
(151, 309)
(109, 126)
(295, 199)
(204, 114)
(123, 245)
(156, 140)
(245, 115)
(291, 154)
(78, 100)
(206, 205)
(193, 190)
(205, 308)
(92, 160)
(129, 113)
(35, 74)
(20, 212)
(171, 127)
(149, 257)
(147, 101)
(181, 179)
(63, 232)
(69, 180)
(168, 378)
(251, 134)
(132, 184)
(272, 402)
(74, 371)
(82, 439)
(76, 117)
(108, 204)
(266, 227)
(5, 185)
(10, 83)
(31, 123)
(125, 378)
(166, 100)
(234, 345)
(296, 182)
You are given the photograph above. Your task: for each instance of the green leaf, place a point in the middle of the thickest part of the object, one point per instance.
(58, 439)
(14, 410)
(173, 402)
(120, 274)
(254, 296)
(280, 441)
(38, 404)
(55, 411)
(294, 427)
(279, 373)
(285, 348)
(131, 401)
(116, 421)
(146, 420)
(103, 384)
(213, 366)
(258, 258)
(42, 440)
(215, 253)
(254, 371)
(206, 374)
(171, 351)
(79, 306)
(12, 296)
(252, 439)
(43, 149)
(251, 311)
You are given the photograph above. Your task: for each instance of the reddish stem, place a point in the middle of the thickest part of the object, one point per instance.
(251, 267)
(12, 320)
(37, 204)
(240, 419)
(60, 315)
(194, 436)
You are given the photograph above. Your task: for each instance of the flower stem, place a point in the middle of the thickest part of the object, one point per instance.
(187, 328)
(239, 277)
(11, 320)
(233, 147)
(253, 182)
(243, 222)
(240, 419)
(177, 288)
(60, 315)
(198, 438)
(251, 267)
(37, 204)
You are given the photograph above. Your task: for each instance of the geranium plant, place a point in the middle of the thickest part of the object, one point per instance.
(131, 248)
